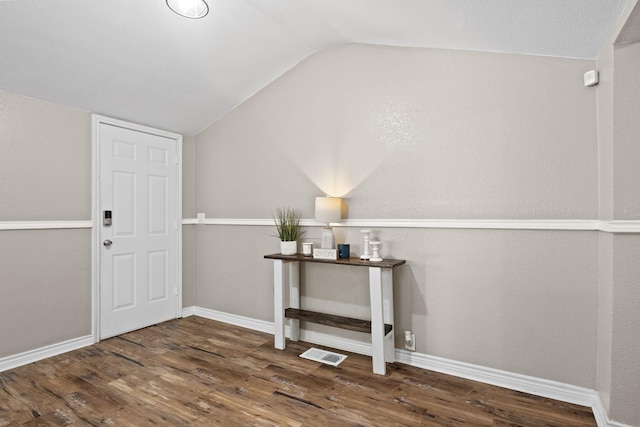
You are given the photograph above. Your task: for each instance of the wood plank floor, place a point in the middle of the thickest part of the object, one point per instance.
(197, 372)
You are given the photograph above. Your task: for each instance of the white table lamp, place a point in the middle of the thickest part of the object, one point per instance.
(328, 210)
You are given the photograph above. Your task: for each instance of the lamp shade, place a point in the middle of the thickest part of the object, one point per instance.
(328, 209)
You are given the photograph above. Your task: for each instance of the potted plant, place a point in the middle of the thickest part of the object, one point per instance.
(288, 229)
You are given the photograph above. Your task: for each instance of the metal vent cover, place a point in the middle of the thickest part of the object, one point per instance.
(323, 356)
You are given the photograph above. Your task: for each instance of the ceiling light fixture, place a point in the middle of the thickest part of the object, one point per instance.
(193, 9)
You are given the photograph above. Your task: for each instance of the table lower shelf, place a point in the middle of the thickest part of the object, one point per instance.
(342, 322)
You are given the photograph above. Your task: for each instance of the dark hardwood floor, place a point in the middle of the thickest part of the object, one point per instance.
(194, 372)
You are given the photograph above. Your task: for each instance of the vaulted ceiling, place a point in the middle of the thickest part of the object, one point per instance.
(137, 60)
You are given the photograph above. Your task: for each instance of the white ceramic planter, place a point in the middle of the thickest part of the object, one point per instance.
(289, 248)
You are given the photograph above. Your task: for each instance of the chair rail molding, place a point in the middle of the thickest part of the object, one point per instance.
(615, 226)
(44, 225)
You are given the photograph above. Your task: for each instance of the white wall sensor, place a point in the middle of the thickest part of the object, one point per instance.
(591, 78)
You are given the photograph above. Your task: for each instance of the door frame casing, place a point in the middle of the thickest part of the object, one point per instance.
(96, 216)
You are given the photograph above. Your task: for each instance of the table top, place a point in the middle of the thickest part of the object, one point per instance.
(356, 262)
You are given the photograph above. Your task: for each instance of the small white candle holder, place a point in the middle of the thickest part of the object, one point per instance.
(307, 249)
(365, 251)
(375, 246)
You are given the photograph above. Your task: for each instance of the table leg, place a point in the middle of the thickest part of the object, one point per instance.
(387, 310)
(278, 303)
(294, 299)
(377, 320)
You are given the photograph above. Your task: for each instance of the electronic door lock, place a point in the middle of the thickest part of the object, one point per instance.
(106, 221)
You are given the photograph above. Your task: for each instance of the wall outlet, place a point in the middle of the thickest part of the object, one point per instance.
(409, 341)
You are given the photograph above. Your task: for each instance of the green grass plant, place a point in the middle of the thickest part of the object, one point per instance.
(287, 224)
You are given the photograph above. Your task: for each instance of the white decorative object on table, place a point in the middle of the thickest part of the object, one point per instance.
(319, 253)
(307, 248)
(289, 247)
(375, 246)
(365, 251)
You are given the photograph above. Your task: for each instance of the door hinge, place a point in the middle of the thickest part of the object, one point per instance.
(175, 291)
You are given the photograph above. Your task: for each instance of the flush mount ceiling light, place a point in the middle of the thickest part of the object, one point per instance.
(193, 9)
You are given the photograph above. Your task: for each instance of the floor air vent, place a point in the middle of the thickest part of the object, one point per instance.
(323, 356)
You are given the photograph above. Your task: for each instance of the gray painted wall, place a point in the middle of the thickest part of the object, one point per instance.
(605, 248)
(626, 152)
(188, 211)
(618, 376)
(45, 175)
(421, 133)
(409, 133)
(45, 161)
(625, 340)
(521, 301)
(45, 288)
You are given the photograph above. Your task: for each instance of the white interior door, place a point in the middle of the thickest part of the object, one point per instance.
(138, 278)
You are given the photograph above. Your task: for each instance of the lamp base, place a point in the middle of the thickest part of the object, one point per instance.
(328, 240)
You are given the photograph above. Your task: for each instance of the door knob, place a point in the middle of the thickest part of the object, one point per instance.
(107, 242)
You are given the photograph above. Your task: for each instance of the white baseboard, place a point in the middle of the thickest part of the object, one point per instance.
(232, 319)
(31, 356)
(602, 418)
(189, 311)
(526, 384)
(523, 383)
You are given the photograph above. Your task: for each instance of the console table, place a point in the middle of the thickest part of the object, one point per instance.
(380, 292)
